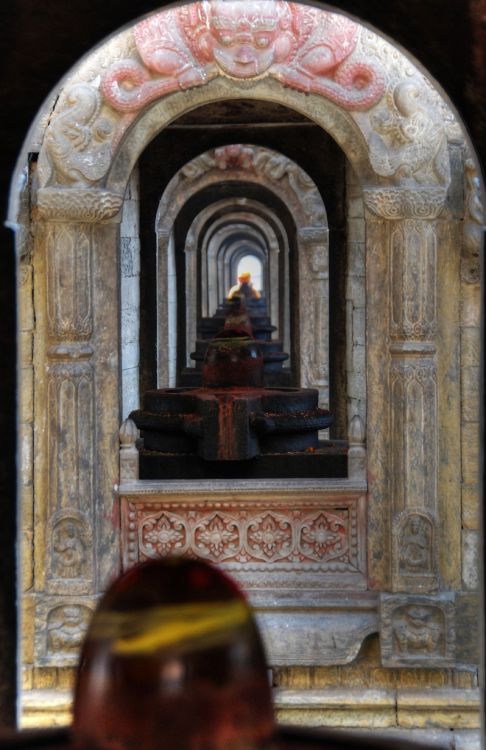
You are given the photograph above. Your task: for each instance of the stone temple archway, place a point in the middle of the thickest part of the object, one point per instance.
(407, 506)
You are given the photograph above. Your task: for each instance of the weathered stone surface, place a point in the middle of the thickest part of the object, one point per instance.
(45, 678)
(28, 629)
(470, 346)
(470, 394)
(467, 740)
(470, 559)
(470, 506)
(27, 561)
(438, 708)
(26, 397)
(468, 636)
(26, 342)
(470, 305)
(339, 708)
(356, 230)
(470, 453)
(46, 708)
(26, 308)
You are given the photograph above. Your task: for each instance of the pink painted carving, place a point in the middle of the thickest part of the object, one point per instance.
(217, 537)
(163, 535)
(269, 536)
(324, 537)
(305, 48)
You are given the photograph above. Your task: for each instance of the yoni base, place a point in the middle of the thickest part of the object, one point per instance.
(327, 461)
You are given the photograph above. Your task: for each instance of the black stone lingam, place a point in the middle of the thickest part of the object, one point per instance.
(274, 357)
(233, 426)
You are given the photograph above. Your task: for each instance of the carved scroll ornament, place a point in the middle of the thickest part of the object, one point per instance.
(409, 140)
(77, 141)
(305, 48)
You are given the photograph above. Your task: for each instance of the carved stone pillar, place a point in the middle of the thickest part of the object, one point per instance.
(76, 363)
(411, 263)
(191, 296)
(163, 306)
(314, 310)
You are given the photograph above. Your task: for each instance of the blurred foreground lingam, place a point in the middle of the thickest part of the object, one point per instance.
(173, 659)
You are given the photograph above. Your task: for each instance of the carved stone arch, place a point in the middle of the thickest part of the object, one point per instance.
(254, 227)
(203, 248)
(255, 165)
(258, 214)
(221, 244)
(397, 148)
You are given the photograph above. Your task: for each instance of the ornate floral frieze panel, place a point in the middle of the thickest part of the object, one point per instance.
(60, 627)
(418, 631)
(261, 543)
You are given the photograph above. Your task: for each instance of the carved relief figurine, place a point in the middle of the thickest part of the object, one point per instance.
(69, 554)
(65, 628)
(417, 630)
(416, 546)
(305, 48)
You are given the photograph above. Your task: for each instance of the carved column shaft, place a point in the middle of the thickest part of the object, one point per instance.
(418, 355)
(314, 310)
(191, 297)
(163, 305)
(77, 406)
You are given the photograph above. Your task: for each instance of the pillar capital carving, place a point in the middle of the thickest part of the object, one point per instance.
(78, 204)
(405, 202)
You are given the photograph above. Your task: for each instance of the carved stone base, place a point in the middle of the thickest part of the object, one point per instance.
(292, 546)
(418, 631)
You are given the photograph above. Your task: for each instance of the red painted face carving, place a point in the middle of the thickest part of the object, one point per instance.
(246, 40)
(305, 48)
